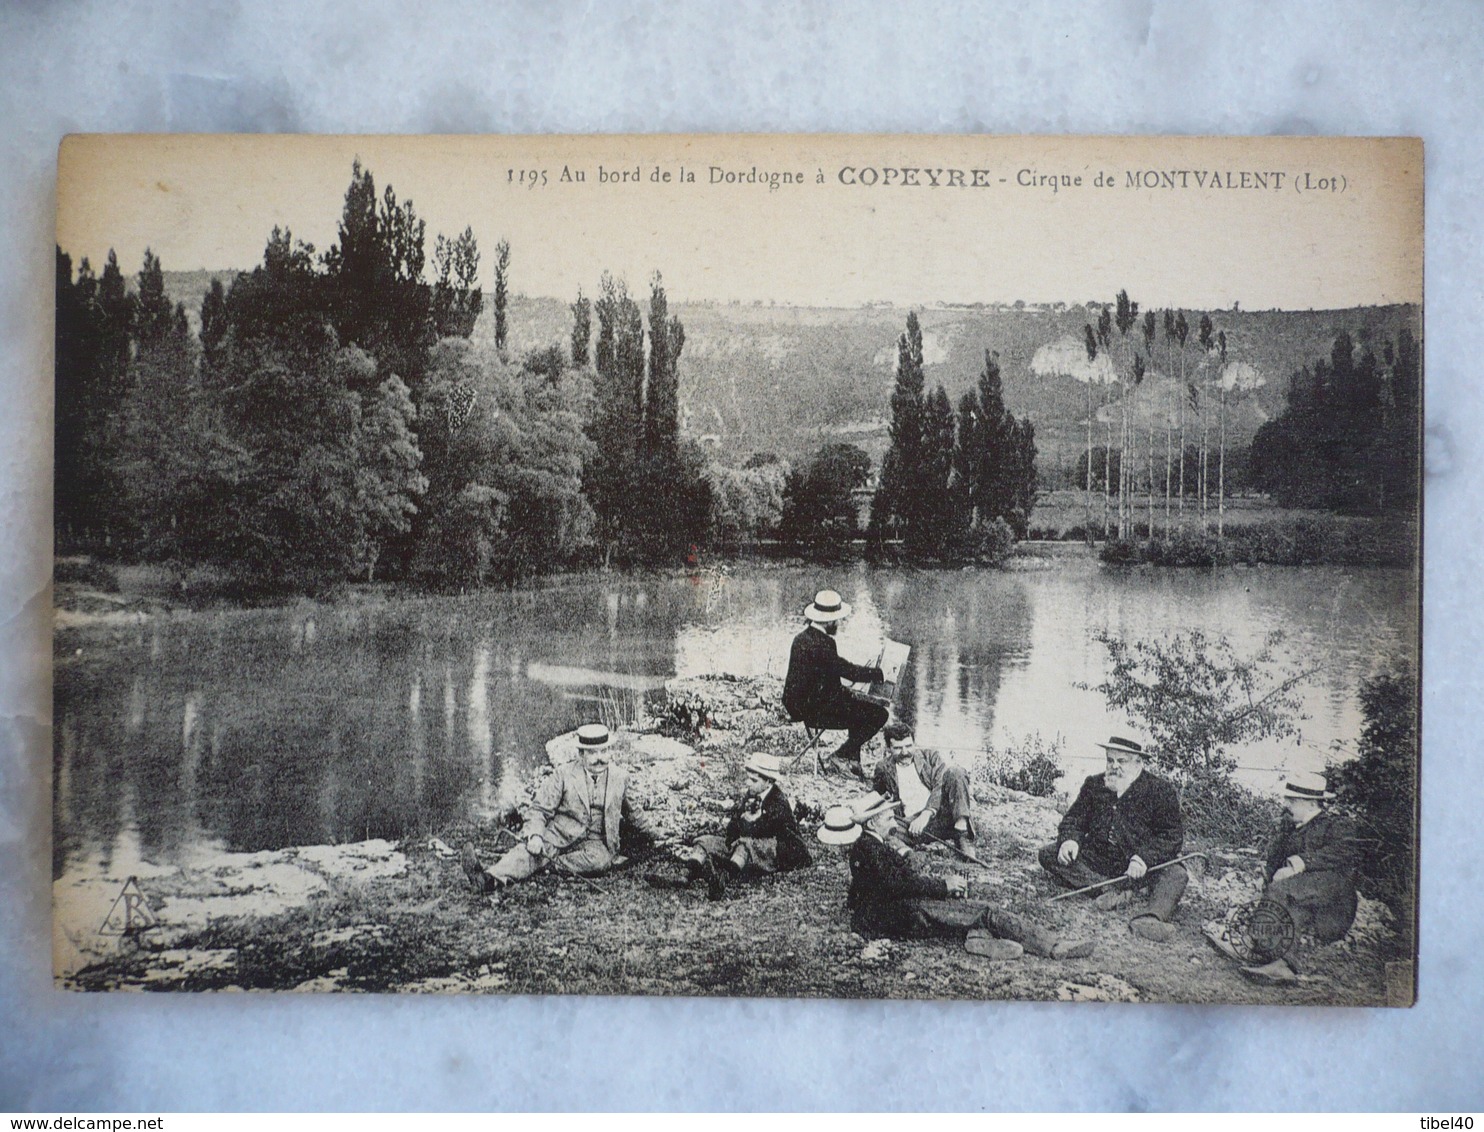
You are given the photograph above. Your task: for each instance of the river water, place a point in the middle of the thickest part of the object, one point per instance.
(246, 730)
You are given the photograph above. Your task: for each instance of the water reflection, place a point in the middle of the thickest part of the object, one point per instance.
(258, 729)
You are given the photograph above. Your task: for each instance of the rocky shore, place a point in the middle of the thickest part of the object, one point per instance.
(376, 916)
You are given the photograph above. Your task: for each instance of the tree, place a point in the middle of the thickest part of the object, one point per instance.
(618, 409)
(1378, 788)
(662, 393)
(994, 460)
(1349, 437)
(582, 330)
(375, 296)
(1207, 342)
(897, 506)
(1127, 316)
(457, 299)
(506, 454)
(389, 480)
(502, 280)
(1196, 697)
(154, 317)
(818, 506)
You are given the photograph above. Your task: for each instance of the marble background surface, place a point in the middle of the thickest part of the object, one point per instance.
(1118, 66)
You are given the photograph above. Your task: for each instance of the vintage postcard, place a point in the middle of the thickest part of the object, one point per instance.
(897, 567)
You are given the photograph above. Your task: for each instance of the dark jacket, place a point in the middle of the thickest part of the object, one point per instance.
(930, 768)
(1110, 830)
(1326, 845)
(778, 822)
(815, 670)
(881, 884)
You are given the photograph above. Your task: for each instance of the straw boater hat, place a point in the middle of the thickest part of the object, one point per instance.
(827, 607)
(593, 737)
(764, 766)
(1308, 785)
(1127, 746)
(842, 824)
(839, 827)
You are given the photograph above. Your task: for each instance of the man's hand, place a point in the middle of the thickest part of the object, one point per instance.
(957, 885)
(1136, 867)
(920, 823)
(1067, 853)
(534, 845)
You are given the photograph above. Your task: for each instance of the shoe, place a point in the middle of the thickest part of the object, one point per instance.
(980, 942)
(1218, 937)
(716, 881)
(850, 768)
(1275, 974)
(1072, 949)
(1112, 901)
(965, 845)
(1152, 928)
(479, 880)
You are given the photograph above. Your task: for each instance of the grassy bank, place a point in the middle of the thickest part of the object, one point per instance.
(401, 918)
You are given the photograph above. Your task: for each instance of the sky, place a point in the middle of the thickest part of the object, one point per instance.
(1292, 223)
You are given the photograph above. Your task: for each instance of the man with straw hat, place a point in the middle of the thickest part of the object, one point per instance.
(573, 822)
(1310, 872)
(889, 898)
(812, 692)
(1124, 823)
(762, 837)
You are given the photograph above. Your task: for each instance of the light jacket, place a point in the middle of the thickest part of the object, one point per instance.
(559, 810)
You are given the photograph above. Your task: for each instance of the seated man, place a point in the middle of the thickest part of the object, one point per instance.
(812, 692)
(1123, 823)
(934, 793)
(573, 822)
(1312, 859)
(762, 837)
(889, 898)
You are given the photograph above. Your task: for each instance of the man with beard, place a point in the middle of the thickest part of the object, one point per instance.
(813, 694)
(1124, 822)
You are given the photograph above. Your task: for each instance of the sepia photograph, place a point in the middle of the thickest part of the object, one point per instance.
(817, 566)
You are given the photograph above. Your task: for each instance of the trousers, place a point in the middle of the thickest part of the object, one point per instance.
(858, 716)
(587, 858)
(1164, 887)
(954, 918)
(759, 854)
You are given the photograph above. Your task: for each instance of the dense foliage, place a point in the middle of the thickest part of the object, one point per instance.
(947, 482)
(1350, 436)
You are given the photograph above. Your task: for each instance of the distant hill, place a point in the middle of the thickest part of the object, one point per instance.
(760, 378)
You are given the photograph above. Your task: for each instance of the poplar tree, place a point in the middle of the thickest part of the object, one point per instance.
(502, 274)
(582, 330)
(897, 505)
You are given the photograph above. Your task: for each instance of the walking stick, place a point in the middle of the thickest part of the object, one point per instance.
(1125, 876)
(954, 848)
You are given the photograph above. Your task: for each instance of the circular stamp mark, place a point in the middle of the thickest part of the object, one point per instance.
(1262, 931)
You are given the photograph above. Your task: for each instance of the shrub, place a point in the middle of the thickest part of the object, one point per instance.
(1378, 789)
(86, 572)
(1030, 767)
(1120, 552)
(1224, 812)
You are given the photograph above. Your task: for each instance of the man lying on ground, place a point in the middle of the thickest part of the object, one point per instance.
(573, 822)
(1310, 872)
(888, 898)
(934, 793)
(762, 837)
(1124, 822)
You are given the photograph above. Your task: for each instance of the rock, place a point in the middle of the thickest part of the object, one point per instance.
(877, 951)
(1102, 988)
